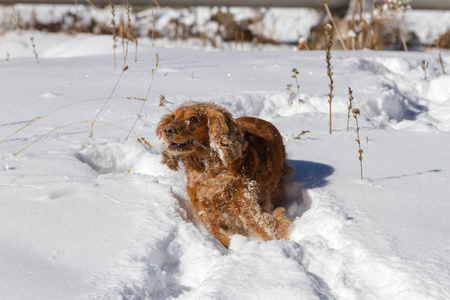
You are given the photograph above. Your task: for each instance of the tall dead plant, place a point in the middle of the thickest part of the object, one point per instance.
(350, 106)
(328, 45)
(294, 75)
(356, 112)
(114, 29)
(34, 50)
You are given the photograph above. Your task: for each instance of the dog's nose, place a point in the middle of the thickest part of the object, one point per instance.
(169, 130)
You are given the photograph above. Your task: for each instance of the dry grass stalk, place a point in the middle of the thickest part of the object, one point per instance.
(424, 68)
(91, 131)
(137, 117)
(49, 113)
(442, 63)
(34, 50)
(144, 101)
(142, 140)
(127, 31)
(122, 32)
(444, 40)
(153, 25)
(239, 38)
(114, 29)
(93, 5)
(350, 106)
(291, 93)
(294, 75)
(136, 98)
(303, 44)
(355, 6)
(33, 121)
(14, 12)
(402, 37)
(341, 38)
(136, 49)
(351, 39)
(161, 100)
(328, 45)
(356, 112)
(436, 42)
(68, 125)
(300, 135)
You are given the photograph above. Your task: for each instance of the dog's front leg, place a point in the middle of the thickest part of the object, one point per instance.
(208, 217)
(266, 225)
(215, 231)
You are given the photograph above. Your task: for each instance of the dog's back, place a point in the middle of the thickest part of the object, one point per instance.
(266, 159)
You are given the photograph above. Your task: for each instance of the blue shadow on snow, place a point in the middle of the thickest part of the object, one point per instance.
(310, 173)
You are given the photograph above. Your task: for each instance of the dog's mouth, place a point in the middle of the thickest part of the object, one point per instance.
(180, 147)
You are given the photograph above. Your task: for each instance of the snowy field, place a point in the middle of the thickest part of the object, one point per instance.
(105, 220)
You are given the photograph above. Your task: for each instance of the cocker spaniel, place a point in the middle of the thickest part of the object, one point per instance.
(235, 169)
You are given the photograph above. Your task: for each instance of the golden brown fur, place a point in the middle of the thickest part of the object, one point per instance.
(235, 169)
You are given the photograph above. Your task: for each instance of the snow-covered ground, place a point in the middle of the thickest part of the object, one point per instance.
(106, 220)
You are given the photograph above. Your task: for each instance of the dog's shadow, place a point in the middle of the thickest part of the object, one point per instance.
(308, 175)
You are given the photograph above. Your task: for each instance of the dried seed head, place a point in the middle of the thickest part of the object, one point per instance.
(161, 100)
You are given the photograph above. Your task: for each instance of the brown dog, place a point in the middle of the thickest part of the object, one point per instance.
(235, 169)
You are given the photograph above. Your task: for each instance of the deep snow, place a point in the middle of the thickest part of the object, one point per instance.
(107, 221)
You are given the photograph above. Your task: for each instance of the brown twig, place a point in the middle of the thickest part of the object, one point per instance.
(424, 68)
(34, 50)
(341, 39)
(350, 106)
(161, 100)
(356, 112)
(294, 75)
(300, 135)
(402, 37)
(440, 57)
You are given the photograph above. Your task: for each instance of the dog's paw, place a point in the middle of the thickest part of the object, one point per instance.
(282, 231)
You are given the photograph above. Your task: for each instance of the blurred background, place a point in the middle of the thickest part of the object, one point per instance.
(243, 24)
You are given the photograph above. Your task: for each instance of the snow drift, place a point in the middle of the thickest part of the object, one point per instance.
(106, 220)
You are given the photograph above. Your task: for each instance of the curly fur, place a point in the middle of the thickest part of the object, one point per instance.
(235, 168)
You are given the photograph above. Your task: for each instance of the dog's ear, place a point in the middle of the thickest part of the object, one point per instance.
(226, 135)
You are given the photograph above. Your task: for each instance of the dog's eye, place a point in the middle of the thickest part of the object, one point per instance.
(193, 119)
(173, 117)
